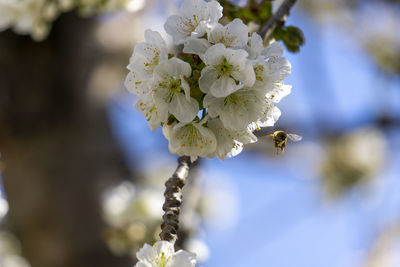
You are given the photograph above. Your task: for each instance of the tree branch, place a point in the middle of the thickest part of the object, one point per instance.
(277, 19)
(173, 200)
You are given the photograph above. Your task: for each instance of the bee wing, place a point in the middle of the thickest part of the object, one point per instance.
(294, 137)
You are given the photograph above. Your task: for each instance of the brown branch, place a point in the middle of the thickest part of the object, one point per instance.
(277, 19)
(173, 200)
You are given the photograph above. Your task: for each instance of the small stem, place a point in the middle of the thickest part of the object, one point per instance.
(278, 18)
(173, 200)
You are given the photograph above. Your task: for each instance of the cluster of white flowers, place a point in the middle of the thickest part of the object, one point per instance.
(35, 17)
(162, 254)
(210, 97)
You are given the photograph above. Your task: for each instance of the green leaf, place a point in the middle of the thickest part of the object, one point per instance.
(291, 36)
(265, 11)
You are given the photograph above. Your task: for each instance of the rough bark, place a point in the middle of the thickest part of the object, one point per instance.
(173, 200)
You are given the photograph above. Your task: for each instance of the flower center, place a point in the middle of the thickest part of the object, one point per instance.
(233, 99)
(189, 25)
(162, 261)
(224, 67)
(174, 87)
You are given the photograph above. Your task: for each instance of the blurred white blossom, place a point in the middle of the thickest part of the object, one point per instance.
(3, 205)
(10, 251)
(35, 17)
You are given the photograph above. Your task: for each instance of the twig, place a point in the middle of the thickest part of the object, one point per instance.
(173, 200)
(277, 19)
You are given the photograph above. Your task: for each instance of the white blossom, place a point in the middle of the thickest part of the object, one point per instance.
(227, 71)
(145, 58)
(172, 92)
(235, 34)
(162, 254)
(238, 109)
(154, 115)
(257, 51)
(21, 15)
(269, 117)
(229, 143)
(194, 19)
(270, 72)
(190, 139)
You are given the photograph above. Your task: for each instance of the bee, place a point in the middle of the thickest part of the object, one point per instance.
(280, 139)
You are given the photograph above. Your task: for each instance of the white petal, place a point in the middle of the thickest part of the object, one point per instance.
(215, 11)
(196, 46)
(237, 57)
(196, 16)
(242, 108)
(164, 247)
(214, 55)
(186, 88)
(155, 38)
(216, 35)
(273, 50)
(136, 84)
(224, 86)
(229, 143)
(193, 7)
(256, 46)
(147, 55)
(200, 30)
(213, 104)
(182, 109)
(246, 74)
(184, 259)
(278, 69)
(208, 77)
(173, 28)
(146, 253)
(238, 32)
(271, 115)
(155, 114)
(234, 34)
(280, 91)
(192, 139)
(174, 67)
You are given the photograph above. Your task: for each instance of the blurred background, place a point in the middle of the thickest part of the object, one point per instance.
(82, 174)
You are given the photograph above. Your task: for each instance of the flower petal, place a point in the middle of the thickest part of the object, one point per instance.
(280, 91)
(224, 86)
(214, 55)
(213, 104)
(155, 114)
(191, 139)
(208, 77)
(238, 32)
(182, 109)
(196, 46)
(246, 74)
(273, 50)
(184, 259)
(136, 83)
(146, 253)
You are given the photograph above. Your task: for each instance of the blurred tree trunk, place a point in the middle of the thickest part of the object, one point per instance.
(57, 147)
